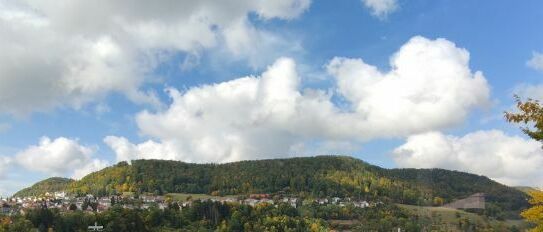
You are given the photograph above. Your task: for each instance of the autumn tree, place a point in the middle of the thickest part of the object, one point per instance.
(531, 116)
(535, 214)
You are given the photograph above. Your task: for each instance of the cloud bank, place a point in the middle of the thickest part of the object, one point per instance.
(74, 52)
(60, 157)
(430, 86)
(507, 159)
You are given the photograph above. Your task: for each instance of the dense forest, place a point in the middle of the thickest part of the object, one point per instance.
(50, 185)
(321, 176)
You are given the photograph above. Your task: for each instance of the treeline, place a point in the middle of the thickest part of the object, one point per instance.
(223, 217)
(200, 216)
(322, 176)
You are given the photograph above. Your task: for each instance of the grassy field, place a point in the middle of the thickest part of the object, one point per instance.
(196, 196)
(449, 218)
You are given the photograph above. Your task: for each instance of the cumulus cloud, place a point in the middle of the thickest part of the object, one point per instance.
(59, 157)
(147, 150)
(381, 8)
(430, 86)
(75, 52)
(536, 62)
(508, 159)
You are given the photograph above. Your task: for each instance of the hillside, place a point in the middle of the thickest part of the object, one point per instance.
(53, 184)
(451, 185)
(445, 219)
(321, 176)
(526, 189)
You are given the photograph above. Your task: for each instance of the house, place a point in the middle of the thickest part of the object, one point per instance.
(5, 209)
(60, 194)
(79, 205)
(228, 199)
(322, 201)
(266, 200)
(361, 204)
(259, 196)
(104, 201)
(291, 201)
(147, 199)
(250, 201)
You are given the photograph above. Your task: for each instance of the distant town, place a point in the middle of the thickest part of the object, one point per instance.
(89, 203)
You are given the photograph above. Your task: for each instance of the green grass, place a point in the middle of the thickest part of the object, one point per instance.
(196, 196)
(448, 218)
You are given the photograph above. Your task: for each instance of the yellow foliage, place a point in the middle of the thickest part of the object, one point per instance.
(125, 187)
(438, 201)
(535, 214)
(536, 197)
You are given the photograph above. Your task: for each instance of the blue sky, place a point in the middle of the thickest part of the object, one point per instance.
(121, 72)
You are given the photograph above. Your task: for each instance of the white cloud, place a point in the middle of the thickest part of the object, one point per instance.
(281, 9)
(536, 62)
(59, 157)
(429, 87)
(76, 52)
(381, 8)
(147, 150)
(508, 159)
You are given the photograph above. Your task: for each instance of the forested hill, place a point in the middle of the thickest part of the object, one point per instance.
(53, 184)
(451, 184)
(321, 176)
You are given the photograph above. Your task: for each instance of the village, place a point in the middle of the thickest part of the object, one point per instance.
(89, 203)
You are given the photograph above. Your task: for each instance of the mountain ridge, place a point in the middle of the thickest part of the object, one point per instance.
(318, 176)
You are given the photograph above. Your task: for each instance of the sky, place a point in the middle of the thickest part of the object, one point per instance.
(397, 83)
